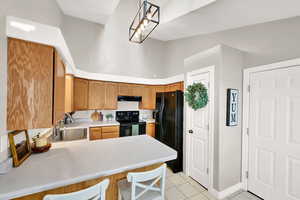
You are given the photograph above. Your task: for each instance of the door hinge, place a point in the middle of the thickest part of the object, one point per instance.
(207, 171)
(208, 85)
(207, 126)
(248, 132)
(247, 174)
(249, 88)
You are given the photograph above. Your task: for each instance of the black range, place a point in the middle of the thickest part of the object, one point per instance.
(130, 124)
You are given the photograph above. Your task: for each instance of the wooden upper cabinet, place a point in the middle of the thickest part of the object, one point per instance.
(148, 98)
(126, 89)
(159, 88)
(59, 89)
(96, 95)
(30, 85)
(69, 93)
(174, 87)
(81, 94)
(111, 96)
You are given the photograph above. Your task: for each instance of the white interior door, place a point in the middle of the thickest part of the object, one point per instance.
(274, 134)
(198, 125)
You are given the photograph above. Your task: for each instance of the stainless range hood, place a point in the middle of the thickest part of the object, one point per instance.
(130, 98)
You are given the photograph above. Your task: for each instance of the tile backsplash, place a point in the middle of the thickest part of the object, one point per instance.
(122, 106)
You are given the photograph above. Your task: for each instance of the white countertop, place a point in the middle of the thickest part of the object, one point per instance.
(67, 163)
(89, 123)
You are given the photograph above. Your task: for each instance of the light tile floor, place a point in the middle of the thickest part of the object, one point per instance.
(181, 187)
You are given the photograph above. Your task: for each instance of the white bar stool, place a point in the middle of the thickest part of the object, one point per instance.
(96, 192)
(143, 185)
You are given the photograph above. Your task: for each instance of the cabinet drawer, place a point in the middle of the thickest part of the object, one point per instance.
(110, 129)
(110, 135)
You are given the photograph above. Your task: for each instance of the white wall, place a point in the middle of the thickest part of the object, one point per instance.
(106, 49)
(263, 43)
(228, 64)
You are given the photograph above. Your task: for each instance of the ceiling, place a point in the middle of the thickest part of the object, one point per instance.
(226, 14)
(97, 11)
(187, 18)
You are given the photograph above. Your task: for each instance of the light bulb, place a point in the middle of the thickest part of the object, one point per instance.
(146, 22)
(139, 31)
(149, 15)
(142, 27)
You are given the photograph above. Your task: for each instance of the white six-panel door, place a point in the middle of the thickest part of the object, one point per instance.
(274, 134)
(198, 122)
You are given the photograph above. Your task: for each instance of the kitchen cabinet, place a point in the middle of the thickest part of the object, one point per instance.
(69, 93)
(111, 96)
(110, 132)
(174, 86)
(59, 89)
(148, 98)
(96, 95)
(81, 94)
(150, 129)
(96, 133)
(105, 132)
(29, 85)
(159, 88)
(125, 89)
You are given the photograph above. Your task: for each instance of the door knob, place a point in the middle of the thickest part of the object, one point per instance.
(191, 131)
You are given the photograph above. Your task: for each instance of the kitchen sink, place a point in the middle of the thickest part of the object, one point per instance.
(70, 134)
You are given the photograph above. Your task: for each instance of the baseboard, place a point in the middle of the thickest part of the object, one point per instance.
(225, 193)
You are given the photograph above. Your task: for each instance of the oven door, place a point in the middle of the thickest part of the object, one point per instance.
(125, 130)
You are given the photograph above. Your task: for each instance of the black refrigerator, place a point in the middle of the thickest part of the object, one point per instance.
(169, 124)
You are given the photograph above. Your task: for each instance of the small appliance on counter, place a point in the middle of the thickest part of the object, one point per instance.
(130, 124)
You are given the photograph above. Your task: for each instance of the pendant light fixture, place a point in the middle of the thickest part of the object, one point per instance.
(145, 21)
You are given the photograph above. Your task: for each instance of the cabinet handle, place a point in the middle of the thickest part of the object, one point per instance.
(191, 131)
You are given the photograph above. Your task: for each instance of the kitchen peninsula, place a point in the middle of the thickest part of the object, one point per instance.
(72, 166)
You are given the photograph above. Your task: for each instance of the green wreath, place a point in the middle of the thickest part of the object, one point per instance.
(196, 96)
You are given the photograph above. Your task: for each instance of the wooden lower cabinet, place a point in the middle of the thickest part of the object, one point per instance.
(111, 192)
(105, 132)
(150, 129)
(96, 133)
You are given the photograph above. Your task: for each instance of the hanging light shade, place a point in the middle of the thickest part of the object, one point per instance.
(145, 21)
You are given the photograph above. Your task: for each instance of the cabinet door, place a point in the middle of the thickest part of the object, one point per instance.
(81, 92)
(96, 133)
(29, 85)
(69, 93)
(111, 96)
(150, 129)
(125, 89)
(148, 98)
(96, 95)
(160, 88)
(59, 89)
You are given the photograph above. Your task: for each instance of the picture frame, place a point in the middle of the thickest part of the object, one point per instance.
(232, 107)
(22, 150)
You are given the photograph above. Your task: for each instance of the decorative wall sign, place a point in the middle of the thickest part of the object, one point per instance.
(232, 107)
